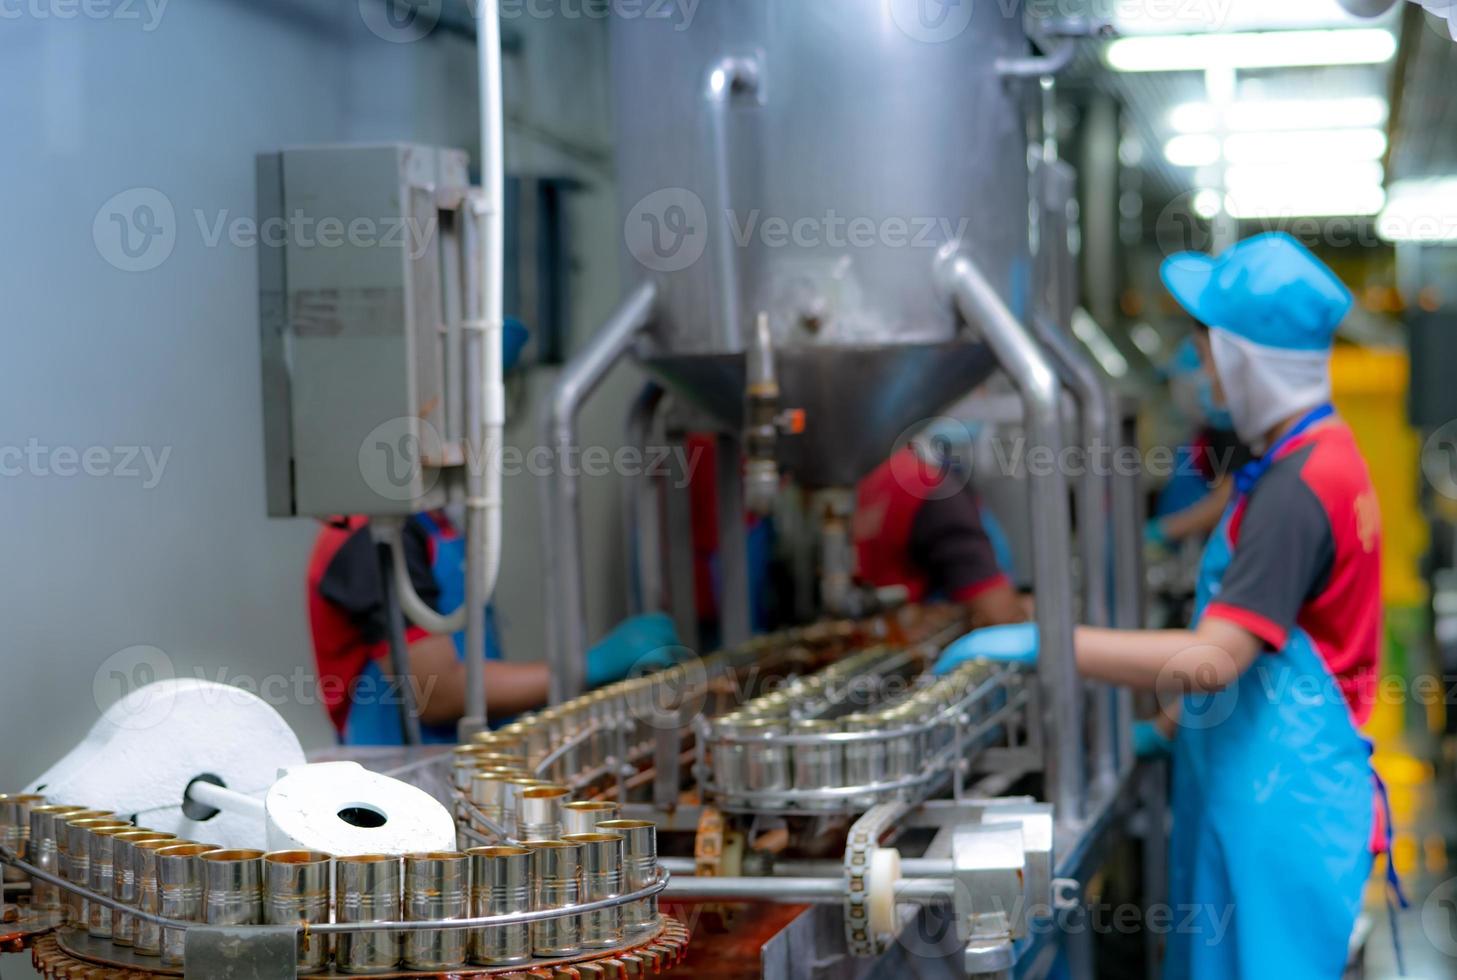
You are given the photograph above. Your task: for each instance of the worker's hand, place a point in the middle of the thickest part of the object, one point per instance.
(635, 645)
(1149, 741)
(1155, 535)
(1016, 643)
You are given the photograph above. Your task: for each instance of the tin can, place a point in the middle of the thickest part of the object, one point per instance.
(101, 872)
(148, 938)
(556, 874)
(500, 885)
(601, 878)
(766, 760)
(46, 823)
(583, 816)
(15, 827)
(539, 812)
(639, 870)
(76, 860)
(864, 761)
(180, 893)
(488, 794)
(437, 886)
(296, 889)
(232, 887)
(501, 741)
(124, 880)
(367, 888)
(515, 786)
(820, 766)
(902, 751)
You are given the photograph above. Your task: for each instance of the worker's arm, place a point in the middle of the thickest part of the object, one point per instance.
(1207, 658)
(1200, 517)
(997, 604)
(439, 677)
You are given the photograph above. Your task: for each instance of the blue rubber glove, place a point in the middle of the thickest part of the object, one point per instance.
(1016, 643)
(636, 645)
(1149, 742)
(1154, 534)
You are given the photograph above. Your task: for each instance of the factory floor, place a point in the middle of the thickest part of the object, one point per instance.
(1424, 803)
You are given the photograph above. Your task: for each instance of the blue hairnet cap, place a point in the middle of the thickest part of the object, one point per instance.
(1268, 289)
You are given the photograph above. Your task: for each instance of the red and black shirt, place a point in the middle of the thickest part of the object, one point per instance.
(1307, 554)
(918, 524)
(346, 604)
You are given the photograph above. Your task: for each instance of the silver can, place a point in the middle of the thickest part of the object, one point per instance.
(583, 816)
(819, 766)
(500, 885)
(76, 859)
(437, 886)
(556, 877)
(101, 872)
(864, 761)
(296, 890)
(539, 812)
(367, 888)
(639, 870)
(46, 823)
(232, 887)
(488, 794)
(515, 786)
(124, 880)
(15, 826)
(148, 938)
(180, 893)
(601, 878)
(902, 751)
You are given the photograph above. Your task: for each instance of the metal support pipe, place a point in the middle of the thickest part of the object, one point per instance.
(801, 891)
(962, 283)
(911, 867)
(1098, 433)
(641, 513)
(727, 79)
(561, 525)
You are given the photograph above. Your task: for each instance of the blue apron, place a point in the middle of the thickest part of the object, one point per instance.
(374, 717)
(1272, 795)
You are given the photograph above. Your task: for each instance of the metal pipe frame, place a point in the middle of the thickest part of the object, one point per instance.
(728, 79)
(1098, 432)
(1024, 360)
(802, 891)
(641, 511)
(561, 525)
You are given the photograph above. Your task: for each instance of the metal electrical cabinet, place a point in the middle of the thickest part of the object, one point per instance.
(359, 300)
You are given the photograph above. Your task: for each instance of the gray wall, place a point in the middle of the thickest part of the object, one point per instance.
(165, 359)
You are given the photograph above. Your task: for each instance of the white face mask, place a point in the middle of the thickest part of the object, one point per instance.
(1263, 386)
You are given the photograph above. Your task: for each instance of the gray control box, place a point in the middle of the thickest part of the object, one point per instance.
(359, 304)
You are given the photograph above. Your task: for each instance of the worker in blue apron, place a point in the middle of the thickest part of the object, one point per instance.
(1277, 811)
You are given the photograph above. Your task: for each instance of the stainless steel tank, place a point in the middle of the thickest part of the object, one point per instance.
(805, 159)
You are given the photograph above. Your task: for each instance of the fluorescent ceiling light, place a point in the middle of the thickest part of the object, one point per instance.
(1267, 114)
(1420, 211)
(1231, 15)
(1316, 148)
(1270, 49)
(1319, 200)
(1257, 178)
(1206, 203)
(1192, 150)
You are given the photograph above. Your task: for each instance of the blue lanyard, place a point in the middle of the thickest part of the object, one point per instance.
(1250, 473)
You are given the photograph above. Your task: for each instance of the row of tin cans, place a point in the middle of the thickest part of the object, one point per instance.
(156, 873)
(749, 755)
